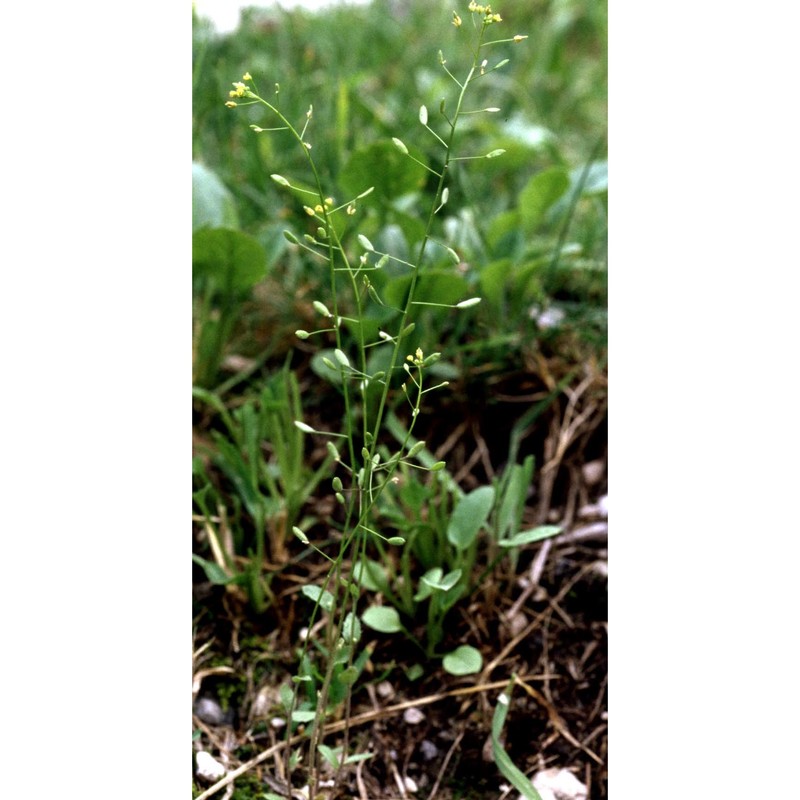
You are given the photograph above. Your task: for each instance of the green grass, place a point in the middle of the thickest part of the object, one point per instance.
(333, 312)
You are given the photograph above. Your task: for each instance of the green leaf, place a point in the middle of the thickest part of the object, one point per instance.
(214, 571)
(358, 757)
(464, 660)
(433, 286)
(316, 593)
(320, 367)
(329, 754)
(351, 628)
(383, 619)
(469, 516)
(504, 763)
(212, 203)
(349, 675)
(370, 575)
(515, 485)
(539, 194)
(383, 166)
(303, 716)
(231, 261)
(494, 281)
(533, 535)
(427, 583)
(442, 583)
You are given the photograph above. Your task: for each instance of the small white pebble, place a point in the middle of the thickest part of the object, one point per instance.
(410, 784)
(428, 749)
(209, 710)
(413, 716)
(593, 471)
(602, 504)
(278, 723)
(385, 689)
(517, 623)
(208, 767)
(558, 784)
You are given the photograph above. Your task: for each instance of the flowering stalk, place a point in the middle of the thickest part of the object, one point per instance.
(368, 481)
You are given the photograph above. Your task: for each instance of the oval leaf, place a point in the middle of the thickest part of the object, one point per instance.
(540, 193)
(382, 164)
(383, 619)
(351, 629)
(212, 203)
(231, 261)
(464, 660)
(316, 593)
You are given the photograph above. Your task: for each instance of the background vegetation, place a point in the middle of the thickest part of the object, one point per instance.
(525, 409)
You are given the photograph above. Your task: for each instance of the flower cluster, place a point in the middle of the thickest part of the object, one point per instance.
(418, 359)
(486, 11)
(239, 90)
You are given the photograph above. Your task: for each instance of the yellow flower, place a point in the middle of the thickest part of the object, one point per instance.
(247, 77)
(239, 88)
(456, 20)
(496, 18)
(230, 104)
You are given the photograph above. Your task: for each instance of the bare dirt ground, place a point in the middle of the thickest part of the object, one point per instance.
(544, 622)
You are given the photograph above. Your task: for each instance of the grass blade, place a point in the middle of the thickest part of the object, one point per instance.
(501, 758)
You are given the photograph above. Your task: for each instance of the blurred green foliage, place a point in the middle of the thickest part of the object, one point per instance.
(540, 236)
(530, 227)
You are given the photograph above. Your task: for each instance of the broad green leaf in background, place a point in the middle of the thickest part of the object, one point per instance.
(320, 368)
(494, 281)
(433, 286)
(232, 261)
(539, 194)
(432, 581)
(315, 592)
(442, 583)
(383, 166)
(469, 516)
(464, 660)
(212, 203)
(370, 575)
(383, 619)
